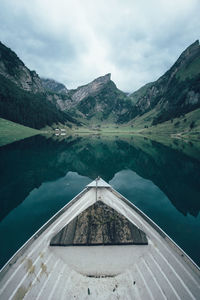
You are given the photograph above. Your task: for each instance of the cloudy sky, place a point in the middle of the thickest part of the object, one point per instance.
(75, 41)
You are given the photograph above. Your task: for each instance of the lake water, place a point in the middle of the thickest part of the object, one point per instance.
(40, 175)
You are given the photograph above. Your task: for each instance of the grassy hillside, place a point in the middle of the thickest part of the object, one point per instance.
(141, 92)
(188, 125)
(189, 70)
(185, 125)
(182, 134)
(11, 132)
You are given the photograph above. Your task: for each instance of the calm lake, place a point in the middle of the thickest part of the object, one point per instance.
(40, 175)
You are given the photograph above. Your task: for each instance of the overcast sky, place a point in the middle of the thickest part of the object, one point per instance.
(76, 41)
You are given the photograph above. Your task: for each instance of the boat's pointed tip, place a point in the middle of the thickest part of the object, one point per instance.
(98, 182)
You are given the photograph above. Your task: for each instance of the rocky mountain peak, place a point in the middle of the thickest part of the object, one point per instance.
(103, 79)
(91, 88)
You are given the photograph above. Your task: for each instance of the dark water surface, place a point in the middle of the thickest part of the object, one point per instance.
(39, 176)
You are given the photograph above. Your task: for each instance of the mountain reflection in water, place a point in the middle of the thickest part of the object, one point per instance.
(42, 175)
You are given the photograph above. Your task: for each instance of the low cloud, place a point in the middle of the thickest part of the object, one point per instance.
(77, 41)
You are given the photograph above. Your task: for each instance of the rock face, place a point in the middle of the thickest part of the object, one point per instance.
(54, 86)
(90, 89)
(68, 99)
(23, 98)
(176, 92)
(173, 94)
(98, 101)
(14, 69)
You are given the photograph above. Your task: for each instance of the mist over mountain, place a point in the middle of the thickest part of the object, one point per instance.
(53, 86)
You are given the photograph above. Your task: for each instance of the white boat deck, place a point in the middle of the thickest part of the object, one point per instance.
(159, 270)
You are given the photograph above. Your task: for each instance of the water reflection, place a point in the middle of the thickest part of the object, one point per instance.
(39, 175)
(25, 165)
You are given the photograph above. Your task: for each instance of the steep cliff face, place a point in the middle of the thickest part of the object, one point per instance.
(100, 101)
(91, 89)
(54, 86)
(172, 95)
(176, 92)
(23, 98)
(73, 97)
(14, 69)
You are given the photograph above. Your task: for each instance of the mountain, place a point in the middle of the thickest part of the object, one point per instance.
(12, 68)
(175, 93)
(23, 98)
(29, 100)
(91, 89)
(96, 102)
(53, 86)
(101, 101)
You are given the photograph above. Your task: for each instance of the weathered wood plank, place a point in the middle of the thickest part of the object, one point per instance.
(99, 225)
(66, 235)
(80, 237)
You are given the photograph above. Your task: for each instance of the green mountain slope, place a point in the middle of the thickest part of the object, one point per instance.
(23, 98)
(27, 108)
(186, 126)
(11, 132)
(175, 93)
(141, 92)
(99, 101)
(28, 100)
(105, 106)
